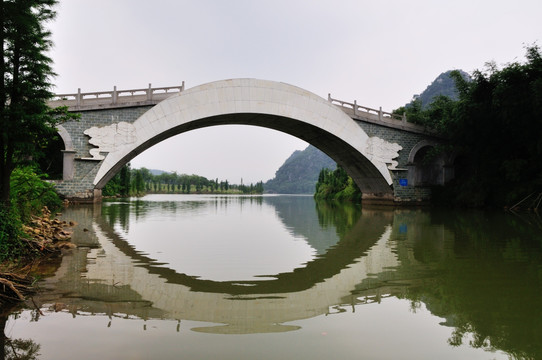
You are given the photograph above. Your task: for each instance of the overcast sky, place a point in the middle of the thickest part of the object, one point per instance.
(379, 53)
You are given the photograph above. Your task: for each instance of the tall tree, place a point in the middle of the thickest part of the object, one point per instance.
(26, 122)
(125, 180)
(497, 123)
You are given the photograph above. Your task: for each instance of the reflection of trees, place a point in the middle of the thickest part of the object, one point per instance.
(489, 283)
(15, 349)
(21, 349)
(300, 217)
(119, 212)
(341, 215)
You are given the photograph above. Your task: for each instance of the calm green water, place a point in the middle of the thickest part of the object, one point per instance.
(283, 277)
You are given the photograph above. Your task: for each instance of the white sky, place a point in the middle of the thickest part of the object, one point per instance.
(379, 53)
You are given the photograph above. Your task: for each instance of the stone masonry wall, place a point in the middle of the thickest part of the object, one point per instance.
(402, 193)
(80, 188)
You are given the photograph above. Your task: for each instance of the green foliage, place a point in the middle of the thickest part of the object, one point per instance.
(299, 173)
(494, 128)
(10, 233)
(125, 180)
(137, 182)
(445, 85)
(336, 185)
(112, 188)
(436, 116)
(497, 124)
(26, 122)
(138, 186)
(30, 193)
(413, 112)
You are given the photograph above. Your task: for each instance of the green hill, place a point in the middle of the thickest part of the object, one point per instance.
(299, 173)
(442, 85)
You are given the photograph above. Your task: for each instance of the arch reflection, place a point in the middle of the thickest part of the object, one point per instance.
(114, 269)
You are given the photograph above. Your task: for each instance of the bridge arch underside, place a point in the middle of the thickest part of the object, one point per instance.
(366, 175)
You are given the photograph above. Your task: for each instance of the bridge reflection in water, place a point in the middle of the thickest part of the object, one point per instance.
(114, 278)
(476, 273)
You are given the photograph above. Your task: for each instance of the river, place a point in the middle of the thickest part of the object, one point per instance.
(285, 277)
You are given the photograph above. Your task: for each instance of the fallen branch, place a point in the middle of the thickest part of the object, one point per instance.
(521, 201)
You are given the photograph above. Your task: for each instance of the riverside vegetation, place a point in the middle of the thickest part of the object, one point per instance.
(29, 232)
(336, 185)
(494, 128)
(492, 123)
(137, 182)
(27, 124)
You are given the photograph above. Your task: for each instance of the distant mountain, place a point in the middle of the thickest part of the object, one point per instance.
(156, 172)
(299, 173)
(442, 85)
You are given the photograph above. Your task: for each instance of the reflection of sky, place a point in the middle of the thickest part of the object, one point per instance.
(251, 241)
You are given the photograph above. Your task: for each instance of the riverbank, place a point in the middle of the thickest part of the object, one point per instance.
(44, 237)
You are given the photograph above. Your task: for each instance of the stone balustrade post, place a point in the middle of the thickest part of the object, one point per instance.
(149, 93)
(114, 94)
(78, 97)
(380, 114)
(355, 107)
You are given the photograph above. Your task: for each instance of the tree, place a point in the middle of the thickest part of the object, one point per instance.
(494, 131)
(497, 124)
(336, 185)
(125, 180)
(138, 186)
(26, 122)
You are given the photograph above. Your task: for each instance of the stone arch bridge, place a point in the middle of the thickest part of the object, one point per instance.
(382, 152)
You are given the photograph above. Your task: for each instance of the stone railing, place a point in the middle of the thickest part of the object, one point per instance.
(359, 110)
(114, 98)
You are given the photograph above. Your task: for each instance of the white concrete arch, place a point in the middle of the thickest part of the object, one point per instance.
(418, 147)
(263, 103)
(65, 136)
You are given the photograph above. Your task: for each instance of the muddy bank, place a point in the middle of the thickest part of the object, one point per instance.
(45, 237)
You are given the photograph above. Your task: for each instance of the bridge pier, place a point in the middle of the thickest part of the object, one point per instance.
(377, 199)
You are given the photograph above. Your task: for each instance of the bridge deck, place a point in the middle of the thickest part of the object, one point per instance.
(151, 96)
(379, 117)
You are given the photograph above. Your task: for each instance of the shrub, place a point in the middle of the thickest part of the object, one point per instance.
(30, 193)
(10, 232)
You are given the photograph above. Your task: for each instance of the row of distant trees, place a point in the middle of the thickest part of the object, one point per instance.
(134, 182)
